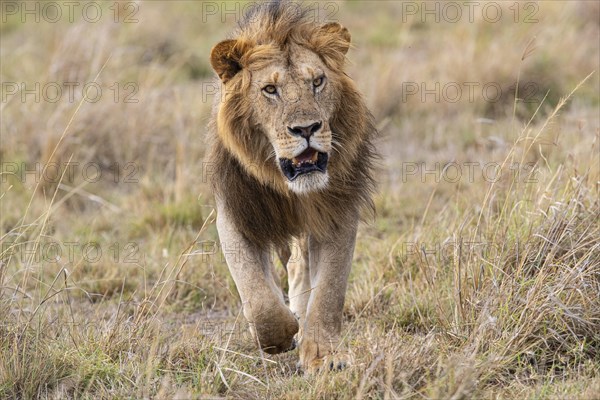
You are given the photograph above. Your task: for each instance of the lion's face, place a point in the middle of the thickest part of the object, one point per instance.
(294, 103)
(281, 96)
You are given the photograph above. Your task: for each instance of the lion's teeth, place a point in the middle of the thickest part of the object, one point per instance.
(313, 159)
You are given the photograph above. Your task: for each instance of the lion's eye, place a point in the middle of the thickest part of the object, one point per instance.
(318, 81)
(270, 89)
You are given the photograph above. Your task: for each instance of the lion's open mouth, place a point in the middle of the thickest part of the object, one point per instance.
(309, 160)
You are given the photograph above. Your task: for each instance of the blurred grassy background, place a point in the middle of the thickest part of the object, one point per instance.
(481, 281)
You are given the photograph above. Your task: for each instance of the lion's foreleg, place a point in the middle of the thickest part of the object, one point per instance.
(299, 278)
(272, 323)
(330, 264)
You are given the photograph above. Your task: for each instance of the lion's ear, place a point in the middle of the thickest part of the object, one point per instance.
(339, 35)
(331, 41)
(226, 56)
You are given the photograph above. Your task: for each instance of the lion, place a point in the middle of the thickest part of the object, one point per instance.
(292, 158)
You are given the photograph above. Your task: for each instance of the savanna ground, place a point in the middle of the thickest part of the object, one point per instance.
(479, 277)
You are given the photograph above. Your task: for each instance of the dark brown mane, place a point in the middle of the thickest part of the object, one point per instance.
(273, 25)
(273, 22)
(256, 197)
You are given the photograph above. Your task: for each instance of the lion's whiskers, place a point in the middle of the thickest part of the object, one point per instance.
(272, 155)
(338, 147)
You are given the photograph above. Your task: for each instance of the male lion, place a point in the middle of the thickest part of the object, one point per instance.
(292, 155)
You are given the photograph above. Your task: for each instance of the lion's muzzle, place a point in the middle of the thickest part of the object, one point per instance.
(310, 160)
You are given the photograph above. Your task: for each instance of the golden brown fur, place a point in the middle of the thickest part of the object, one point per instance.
(291, 159)
(247, 177)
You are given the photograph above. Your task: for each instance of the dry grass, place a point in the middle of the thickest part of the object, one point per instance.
(484, 284)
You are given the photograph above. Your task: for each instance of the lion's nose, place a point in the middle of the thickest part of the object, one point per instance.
(305, 131)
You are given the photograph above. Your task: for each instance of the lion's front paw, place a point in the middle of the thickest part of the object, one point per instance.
(275, 331)
(315, 358)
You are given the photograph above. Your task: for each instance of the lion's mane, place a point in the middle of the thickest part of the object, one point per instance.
(244, 174)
